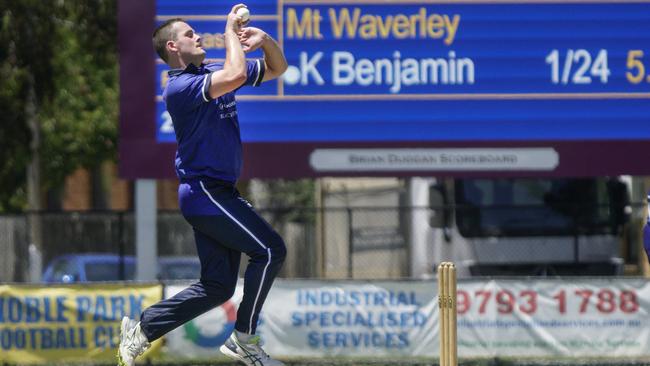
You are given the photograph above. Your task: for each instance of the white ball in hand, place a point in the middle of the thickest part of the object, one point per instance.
(244, 14)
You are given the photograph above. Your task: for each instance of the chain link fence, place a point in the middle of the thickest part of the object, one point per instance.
(333, 242)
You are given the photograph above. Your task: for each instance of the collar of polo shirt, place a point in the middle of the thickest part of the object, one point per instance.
(191, 68)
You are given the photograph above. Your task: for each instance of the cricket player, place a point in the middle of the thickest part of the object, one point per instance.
(201, 101)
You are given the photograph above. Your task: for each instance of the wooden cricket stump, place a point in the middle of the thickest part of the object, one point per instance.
(447, 314)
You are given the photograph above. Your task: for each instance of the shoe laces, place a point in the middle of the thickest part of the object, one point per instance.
(136, 344)
(256, 343)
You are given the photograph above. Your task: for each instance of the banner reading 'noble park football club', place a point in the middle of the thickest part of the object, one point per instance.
(68, 323)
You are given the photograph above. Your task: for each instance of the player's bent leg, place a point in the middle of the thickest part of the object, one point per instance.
(265, 263)
(247, 349)
(219, 272)
(239, 227)
(170, 313)
(133, 342)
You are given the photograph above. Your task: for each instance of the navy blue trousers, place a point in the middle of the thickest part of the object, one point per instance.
(225, 225)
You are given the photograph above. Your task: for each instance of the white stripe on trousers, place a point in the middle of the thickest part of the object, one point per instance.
(268, 251)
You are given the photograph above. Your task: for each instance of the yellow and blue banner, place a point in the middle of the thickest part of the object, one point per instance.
(73, 322)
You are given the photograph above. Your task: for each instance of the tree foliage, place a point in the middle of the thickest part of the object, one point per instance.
(288, 200)
(79, 122)
(14, 138)
(65, 50)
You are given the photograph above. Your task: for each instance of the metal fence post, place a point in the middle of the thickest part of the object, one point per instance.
(121, 245)
(350, 244)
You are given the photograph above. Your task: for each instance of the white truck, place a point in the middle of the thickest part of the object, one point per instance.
(530, 226)
(390, 227)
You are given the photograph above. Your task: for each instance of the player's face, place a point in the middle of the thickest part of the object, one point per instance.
(188, 43)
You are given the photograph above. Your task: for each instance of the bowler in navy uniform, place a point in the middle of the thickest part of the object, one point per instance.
(201, 101)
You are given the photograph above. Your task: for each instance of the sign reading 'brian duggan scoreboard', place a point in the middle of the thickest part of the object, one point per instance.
(438, 74)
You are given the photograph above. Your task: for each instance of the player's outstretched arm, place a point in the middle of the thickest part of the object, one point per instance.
(233, 74)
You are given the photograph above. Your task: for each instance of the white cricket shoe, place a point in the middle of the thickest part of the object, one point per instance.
(249, 352)
(133, 342)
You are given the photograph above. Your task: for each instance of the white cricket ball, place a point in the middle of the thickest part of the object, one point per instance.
(244, 14)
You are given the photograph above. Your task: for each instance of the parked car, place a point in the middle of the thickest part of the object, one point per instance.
(92, 267)
(179, 268)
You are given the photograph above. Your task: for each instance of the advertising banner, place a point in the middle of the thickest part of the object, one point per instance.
(577, 318)
(352, 318)
(319, 318)
(496, 318)
(68, 323)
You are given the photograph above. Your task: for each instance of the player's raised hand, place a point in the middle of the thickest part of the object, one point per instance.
(251, 38)
(234, 21)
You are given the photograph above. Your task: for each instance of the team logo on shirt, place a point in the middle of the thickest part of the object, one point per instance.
(223, 106)
(229, 107)
(228, 115)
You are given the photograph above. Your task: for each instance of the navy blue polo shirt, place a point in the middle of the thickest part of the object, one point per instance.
(207, 130)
